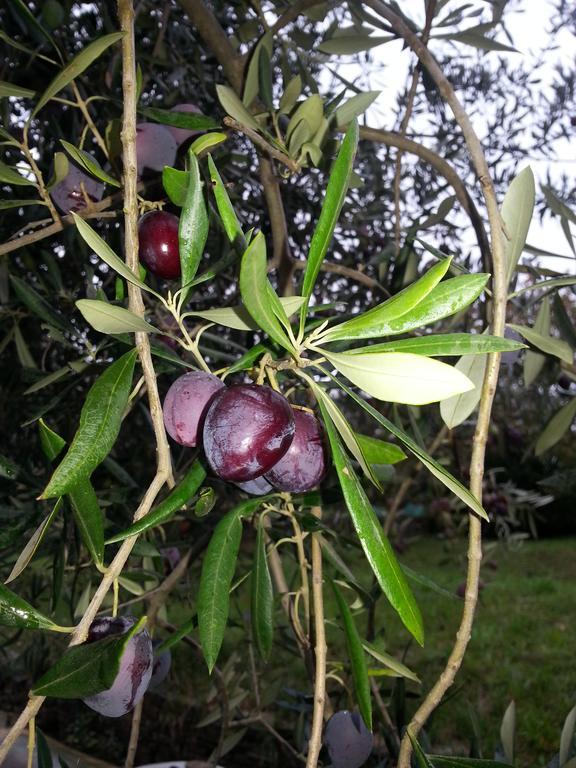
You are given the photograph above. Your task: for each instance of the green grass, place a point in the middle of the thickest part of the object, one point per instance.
(522, 646)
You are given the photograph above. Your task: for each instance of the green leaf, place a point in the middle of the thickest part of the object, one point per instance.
(262, 597)
(89, 164)
(478, 40)
(431, 464)
(456, 409)
(89, 519)
(445, 345)
(16, 612)
(556, 428)
(10, 175)
(248, 360)
(350, 44)
(379, 320)
(357, 659)
(331, 207)
(33, 543)
(31, 22)
(548, 344)
(422, 760)
(86, 669)
(193, 228)
(400, 377)
(8, 90)
(567, 737)
(75, 68)
(175, 183)
(290, 96)
(439, 761)
(517, 209)
(545, 285)
(378, 451)
(255, 291)
(100, 422)
(203, 144)
(234, 107)
(102, 249)
(376, 546)
(51, 442)
(305, 122)
(239, 317)
(8, 204)
(399, 669)
(108, 318)
(225, 208)
(508, 732)
(176, 499)
(38, 304)
(24, 355)
(192, 121)
(354, 107)
(252, 80)
(216, 579)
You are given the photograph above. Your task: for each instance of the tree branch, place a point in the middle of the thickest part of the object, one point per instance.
(490, 381)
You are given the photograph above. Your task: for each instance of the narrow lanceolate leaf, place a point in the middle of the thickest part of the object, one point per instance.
(391, 662)
(422, 760)
(10, 175)
(534, 361)
(457, 409)
(38, 304)
(517, 209)
(175, 183)
(447, 298)
(33, 543)
(431, 464)
(102, 249)
(376, 321)
(203, 144)
(85, 670)
(16, 612)
(262, 597)
(439, 761)
(331, 207)
(89, 164)
(445, 345)
(255, 292)
(51, 442)
(193, 228)
(225, 208)
(508, 732)
(548, 344)
(354, 107)
(177, 498)
(89, 519)
(567, 737)
(215, 582)
(239, 318)
(192, 121)
(75, 68)
(100, 422)
(378, 451)
(376, 546)
(108, 318)
(357, 659)
(234, 107)
(400, 377)
(556, 428)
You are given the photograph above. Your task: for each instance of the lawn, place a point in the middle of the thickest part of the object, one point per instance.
(522, 646)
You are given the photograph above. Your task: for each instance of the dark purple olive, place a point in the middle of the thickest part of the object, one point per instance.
(75, 189)
(186, 403)
(160, 668)
(247, 429)
(135, 670)
(155, 147)
(347, 739)
(257, 487)
(305, 463)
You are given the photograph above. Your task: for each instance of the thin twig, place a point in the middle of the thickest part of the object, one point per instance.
(480, 164)
(349, 272)
(260, 141)
(83, 107)
(315, 741)
(134, 734)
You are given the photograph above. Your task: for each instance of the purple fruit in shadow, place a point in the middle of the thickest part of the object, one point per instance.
(182, 134)
(186, 403)
(160, 667)
(305, 463)
(257, 487)
(70, 194)
(135, 667)
(247, 429)
(347, 739)
(158, 247)
(155, 147)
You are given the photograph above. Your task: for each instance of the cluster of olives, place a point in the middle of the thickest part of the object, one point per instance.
(156, 147)
(140, 670)
(251, 434)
